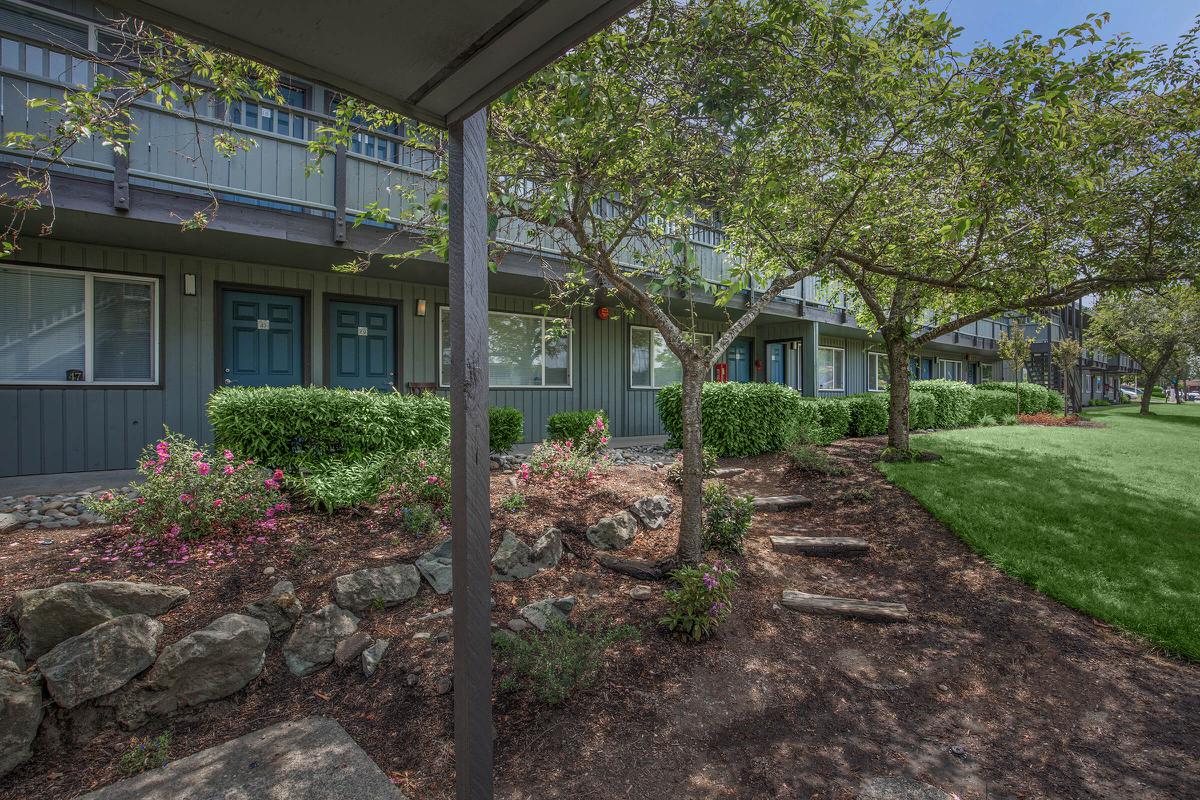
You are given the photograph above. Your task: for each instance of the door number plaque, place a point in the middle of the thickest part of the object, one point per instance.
(264, 324)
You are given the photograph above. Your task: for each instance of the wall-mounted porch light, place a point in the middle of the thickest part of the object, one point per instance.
(189, 283)
(420, 308)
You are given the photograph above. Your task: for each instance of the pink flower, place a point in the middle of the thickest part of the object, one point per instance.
(218, 503)
(432, 479)
(158, 470)
(141, 501)
(203, 468)
(175, 531)
(228, 470)
(197, 456)
(228, 455)
(277, 474)
(270, 483)
(185, 498)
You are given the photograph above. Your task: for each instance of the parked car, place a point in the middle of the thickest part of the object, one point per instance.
(1194, 396)
(1132, 394)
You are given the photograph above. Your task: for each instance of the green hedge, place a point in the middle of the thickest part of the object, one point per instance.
(834, 417)
(953, 401)
(506, 427)
(740, 419)
(868, 414)
(572, 424)
(1034, 398)
(287, 427)
(922, 411)
(992, 403)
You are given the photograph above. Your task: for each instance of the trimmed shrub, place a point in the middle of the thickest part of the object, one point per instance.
(289, 427)
(573, 425)
(1055, 402)
(1034, 398)
(834, 416)
(922, 410)
(506, 427)
(868, 414)
(993, 404)
(808, 423)
(740, 419)
(953, 401)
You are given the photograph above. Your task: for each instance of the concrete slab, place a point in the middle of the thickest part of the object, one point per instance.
(309, 759)
(64, 482)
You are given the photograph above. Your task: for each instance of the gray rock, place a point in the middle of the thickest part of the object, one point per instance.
(613, 533)
(445, 684)
(46, 617)
(373, 655)
(21, 710)
(376, 587)
(515, 560)
(350, 648)
(8, 521)
(652, 511)
(313, 641)
(900, 789)
(208, 664)
(12, 660)
(542, 613)
(280, 609)
(517, 625)
(101, 659)
(435, 566)
(641, 592)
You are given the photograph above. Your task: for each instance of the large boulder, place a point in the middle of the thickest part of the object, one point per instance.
(652, 511)
(21, 713)
(381, 587)
(280, 609)
(208, 664)
(545, 612)
(101, 659)
(515, 560)
(435, 566)
(613, 533)
(314, 640)
(46, 617)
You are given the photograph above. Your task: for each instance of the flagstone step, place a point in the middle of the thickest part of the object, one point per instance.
(820, 545)
(844, 607)
(727, 472)
(781, 502)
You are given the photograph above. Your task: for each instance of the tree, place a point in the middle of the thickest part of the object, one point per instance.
(1065, 354)
(1014, 348)
(1152, 327)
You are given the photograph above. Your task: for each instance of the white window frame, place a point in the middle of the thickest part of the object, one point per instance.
(654, 332)
(873, 357)
(942, 362)
(990, 370)
(444, 380)
(841, 374)
(89, 313)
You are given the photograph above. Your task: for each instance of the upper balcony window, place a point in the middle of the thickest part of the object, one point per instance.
(67, 327)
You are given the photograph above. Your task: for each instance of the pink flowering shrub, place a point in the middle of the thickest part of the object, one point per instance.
(188, 493)
(702, 601)
(570, 461)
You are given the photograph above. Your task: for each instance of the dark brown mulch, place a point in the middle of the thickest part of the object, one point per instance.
(990, 691)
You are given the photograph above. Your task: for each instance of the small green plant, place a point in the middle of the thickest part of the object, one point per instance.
(986, 421)
(560, 661)
(708, 463)
(300, 552)
(418, 518)
(1009, 419)
(514, 502)
(726, 518)
(702, 601)
(858, 494)
(807, 457)
(144, 754)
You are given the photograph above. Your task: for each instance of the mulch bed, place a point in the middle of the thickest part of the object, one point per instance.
(991, 690)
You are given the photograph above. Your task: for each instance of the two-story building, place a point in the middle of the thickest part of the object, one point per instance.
(1100, 372)
(118, 322)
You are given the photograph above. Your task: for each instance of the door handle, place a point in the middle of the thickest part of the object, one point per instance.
(228, 382)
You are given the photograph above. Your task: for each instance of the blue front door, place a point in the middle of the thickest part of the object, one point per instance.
(776, 366)
(261, 339)
(362, 346)
(738, 359)
(926, 368)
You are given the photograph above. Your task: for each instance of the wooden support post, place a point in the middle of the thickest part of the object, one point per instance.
(121, 179)
(339, 194)
(808, 369)
(469, 457)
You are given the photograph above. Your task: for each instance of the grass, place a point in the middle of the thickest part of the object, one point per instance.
(1106, 520)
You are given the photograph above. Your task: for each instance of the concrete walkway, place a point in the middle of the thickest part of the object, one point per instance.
(64, 482)
(309, 759)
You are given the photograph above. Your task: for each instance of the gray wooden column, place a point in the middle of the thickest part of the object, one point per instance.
(469, 458)
(339, 194)
(811, 335)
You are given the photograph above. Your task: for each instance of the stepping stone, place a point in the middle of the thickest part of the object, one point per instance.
(727, 472)
(844, 607)
(309, 759)
(781, 502)
(820, 545)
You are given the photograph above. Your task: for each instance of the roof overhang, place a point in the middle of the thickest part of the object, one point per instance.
(435, 61)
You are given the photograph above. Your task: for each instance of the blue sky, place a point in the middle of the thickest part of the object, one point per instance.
(1150, 22)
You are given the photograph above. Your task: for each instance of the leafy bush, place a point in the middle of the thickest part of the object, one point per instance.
(708, 465)
(573, 425)
(1034, 398)
(807, 457)
(144, 754)
(418, 518)
(953, 401)
(739, 419)
(868, 414)
(506, 427)
(992, 403)
(1055, 402)
(808, 423)
(350, 482)
(702, 602)
(1099, 401)
(833, 419)
(186, 492)
(564, 463)
(562, 659)
(513, 502)
(1008, 419)
(986, 421)
(295, 426)
(922, 410)
(726, 518)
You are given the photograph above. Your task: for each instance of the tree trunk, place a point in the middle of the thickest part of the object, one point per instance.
(1017, 378)
(690, 547)
(898, 387)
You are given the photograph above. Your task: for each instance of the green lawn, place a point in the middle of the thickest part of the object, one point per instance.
(1107, 520)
